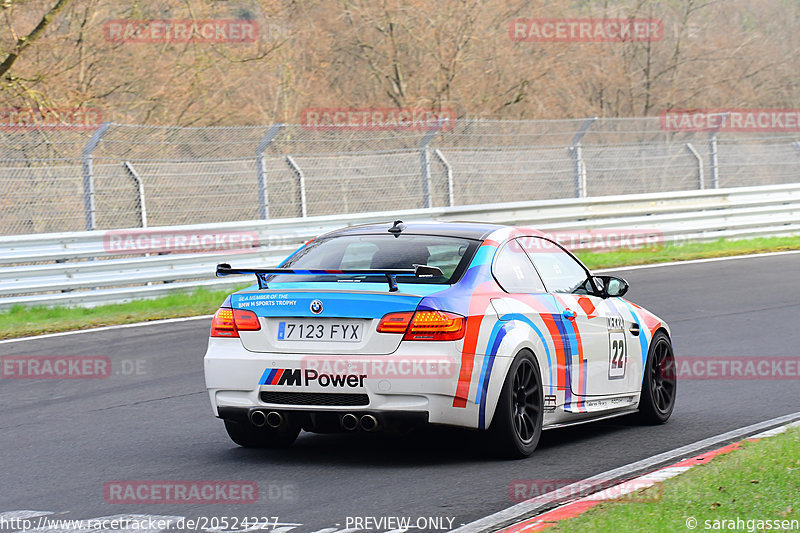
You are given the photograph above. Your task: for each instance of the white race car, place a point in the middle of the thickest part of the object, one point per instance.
(389, 326)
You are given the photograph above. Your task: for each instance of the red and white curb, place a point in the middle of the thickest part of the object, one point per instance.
(620, 490)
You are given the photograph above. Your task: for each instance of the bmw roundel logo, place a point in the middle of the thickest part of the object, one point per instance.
(316, 307)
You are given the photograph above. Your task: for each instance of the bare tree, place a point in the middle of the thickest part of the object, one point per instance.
(25, 41)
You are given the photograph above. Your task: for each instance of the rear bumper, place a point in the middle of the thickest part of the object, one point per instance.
(407, 391)
(329, 421)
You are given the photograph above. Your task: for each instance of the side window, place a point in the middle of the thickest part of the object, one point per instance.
(514, 272)
(559, 270)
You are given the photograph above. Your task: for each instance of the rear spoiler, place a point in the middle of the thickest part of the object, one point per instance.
(420, 271)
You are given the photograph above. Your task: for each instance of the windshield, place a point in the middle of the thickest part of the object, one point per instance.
(450, 254)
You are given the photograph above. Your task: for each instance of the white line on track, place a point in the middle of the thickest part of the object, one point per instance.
(599, 271)
(697, 261)
(19, 515)
(107, 328)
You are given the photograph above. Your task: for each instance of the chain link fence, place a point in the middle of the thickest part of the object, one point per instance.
(124, 176)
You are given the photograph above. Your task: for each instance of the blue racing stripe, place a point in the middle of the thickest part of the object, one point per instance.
(498, 332)
(569, 327)
(528, 321)
(559, 320)
(486, 372)
(267, 376)
(643, 343)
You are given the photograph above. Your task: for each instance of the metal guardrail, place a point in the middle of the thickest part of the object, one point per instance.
(79, 269)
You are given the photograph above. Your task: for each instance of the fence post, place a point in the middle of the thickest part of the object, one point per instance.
(700, 181)
(426, 161)
(301, 184)
(88, 176)
(714, 161)
(261, 170)
(140, 188)
(577, 155)
(449, 170)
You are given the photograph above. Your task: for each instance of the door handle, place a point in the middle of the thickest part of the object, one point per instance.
(569, 314)
(634, 329)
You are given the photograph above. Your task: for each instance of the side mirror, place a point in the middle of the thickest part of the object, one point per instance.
(611, 286)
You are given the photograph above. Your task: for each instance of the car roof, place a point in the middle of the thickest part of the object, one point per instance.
(466, 230)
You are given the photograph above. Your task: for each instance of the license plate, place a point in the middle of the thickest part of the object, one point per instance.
(315, 330)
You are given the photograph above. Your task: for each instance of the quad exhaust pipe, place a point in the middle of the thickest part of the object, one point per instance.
(273, 419)
(369, 423)
(351, 422)
(258, 418)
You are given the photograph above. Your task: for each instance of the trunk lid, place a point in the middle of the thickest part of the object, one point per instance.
(326, 317)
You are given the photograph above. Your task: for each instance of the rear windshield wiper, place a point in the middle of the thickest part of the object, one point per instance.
(420, 271)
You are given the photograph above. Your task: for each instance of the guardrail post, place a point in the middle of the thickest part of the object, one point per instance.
(261, 169)
(88, 176)
(714, 161)
(449, 170)
(577, 156)
(700, 181)
(301, 184)
(140, 188)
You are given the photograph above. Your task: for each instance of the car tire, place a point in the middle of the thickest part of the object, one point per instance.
(250, 436)
(659, 383)
(517, 423)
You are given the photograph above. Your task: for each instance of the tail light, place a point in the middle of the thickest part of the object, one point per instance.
(424, 325)
(246, 320)
(435, 326)
(229, 322)
(395, 322)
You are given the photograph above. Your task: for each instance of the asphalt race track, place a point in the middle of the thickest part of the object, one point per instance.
(62, 440)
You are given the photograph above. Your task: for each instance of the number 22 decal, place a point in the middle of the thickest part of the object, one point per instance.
(618, 357)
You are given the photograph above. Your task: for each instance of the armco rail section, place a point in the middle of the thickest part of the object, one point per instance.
(79, 269)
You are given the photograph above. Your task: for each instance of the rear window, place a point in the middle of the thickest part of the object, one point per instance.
(450, 254)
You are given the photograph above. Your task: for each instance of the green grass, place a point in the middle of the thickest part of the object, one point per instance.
(685, 252)
(760, 481)
(23, 321)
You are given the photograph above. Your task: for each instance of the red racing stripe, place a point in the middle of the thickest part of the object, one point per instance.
(278, 375)
(477, 310)
(587, 306)
(549, 321)
(558, 342)
(581, 385)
